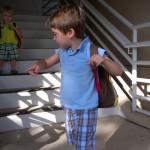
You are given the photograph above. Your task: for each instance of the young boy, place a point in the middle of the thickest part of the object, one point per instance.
(8, 42)
(78, 94)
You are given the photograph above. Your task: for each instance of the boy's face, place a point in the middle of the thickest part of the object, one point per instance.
(61, 39)
(7, 17)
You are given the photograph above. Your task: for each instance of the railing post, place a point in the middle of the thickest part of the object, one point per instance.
(134, 72)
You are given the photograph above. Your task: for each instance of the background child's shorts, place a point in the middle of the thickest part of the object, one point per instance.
(9, 52)
(81, 128)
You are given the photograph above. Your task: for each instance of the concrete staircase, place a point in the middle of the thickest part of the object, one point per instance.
(27, 101)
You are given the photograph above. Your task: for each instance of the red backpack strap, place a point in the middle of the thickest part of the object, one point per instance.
(97, 84)
(94, 50)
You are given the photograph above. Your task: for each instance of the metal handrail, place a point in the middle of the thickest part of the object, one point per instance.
(110, 27)
(129, 25)
(141, 26)
(109, 38)
(134, 44)
(47, 8)
(125, 42)
(137, 44)
(47, 3)
(116, 14)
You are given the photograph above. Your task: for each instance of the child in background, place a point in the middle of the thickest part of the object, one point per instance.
(8, 41)
(78, 94)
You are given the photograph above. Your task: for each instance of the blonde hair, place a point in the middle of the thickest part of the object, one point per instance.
(8, 9)
(67, 17)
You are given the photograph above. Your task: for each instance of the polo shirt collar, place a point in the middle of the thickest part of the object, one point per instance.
(81, 46)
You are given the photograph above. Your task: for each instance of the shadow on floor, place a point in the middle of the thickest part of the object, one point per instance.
(31, 139)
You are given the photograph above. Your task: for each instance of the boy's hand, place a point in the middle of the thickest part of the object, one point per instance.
(96, 60)
(33, 70)
(17, 30)
(12, 27)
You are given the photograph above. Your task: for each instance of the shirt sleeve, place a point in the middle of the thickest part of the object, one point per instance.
(57, 51)
(101, 52)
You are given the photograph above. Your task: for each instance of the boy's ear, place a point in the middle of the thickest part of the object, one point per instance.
(71, 33)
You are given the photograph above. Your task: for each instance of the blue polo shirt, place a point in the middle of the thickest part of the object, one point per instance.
(77, 82)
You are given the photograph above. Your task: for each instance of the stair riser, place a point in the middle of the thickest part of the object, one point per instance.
(30, 18)
(35, 54)
(27, 99)
(21, 67)
(27, 81)
(31, 25)
(35, 34)
(29, 54)
(38, 43)
(14, 122)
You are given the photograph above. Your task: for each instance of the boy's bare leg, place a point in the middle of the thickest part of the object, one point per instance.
(1, 65)
(13, 64)
(13, 67)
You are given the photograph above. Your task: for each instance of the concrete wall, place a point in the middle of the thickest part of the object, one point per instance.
(137, 12)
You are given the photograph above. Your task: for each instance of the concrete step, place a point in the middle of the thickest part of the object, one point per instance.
(27, 99)
(31, 25)
(30, 18)
(26, 82)
(16, 122)
(38, 43)
(37, 34)
(21, 66)
(35, 54)
(39, 118)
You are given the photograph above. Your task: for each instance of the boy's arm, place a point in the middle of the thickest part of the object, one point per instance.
(111, 66)
(43, 64)
(17, 30)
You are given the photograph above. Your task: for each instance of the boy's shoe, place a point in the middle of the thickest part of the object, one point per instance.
(14, 72)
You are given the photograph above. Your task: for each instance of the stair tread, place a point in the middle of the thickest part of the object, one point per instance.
(42, 90)
(23, 65)
(28, 81)
(29, 110)
(27, 89)
(28, 98)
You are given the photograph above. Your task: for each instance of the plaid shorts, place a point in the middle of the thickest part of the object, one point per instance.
(81, 128)
(9, 52)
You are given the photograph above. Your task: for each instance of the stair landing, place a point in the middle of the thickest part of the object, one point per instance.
(113, 133)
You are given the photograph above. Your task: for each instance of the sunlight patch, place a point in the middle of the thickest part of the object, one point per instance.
(43, 95)
(24, 94)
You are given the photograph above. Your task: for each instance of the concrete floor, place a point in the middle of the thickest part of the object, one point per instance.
(113, 133)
